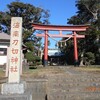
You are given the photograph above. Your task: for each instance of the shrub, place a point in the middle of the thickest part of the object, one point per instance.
(32, 59)
(89, 58)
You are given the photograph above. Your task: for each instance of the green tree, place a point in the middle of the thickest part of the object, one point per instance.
(88, 13)
(30, 14)
(89, 58)
(32, 60)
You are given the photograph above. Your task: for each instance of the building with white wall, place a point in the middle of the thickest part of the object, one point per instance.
(4, 44)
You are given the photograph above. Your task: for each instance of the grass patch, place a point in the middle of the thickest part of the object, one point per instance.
(90, 68)
(41, 71)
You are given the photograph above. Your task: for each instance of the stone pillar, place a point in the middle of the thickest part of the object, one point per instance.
(14, 85)
(15, 50)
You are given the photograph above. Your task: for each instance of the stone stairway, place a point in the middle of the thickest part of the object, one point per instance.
(73, 85)
(69, 84)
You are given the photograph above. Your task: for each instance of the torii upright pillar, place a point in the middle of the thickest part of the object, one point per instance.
(75, 49)
(46, 49)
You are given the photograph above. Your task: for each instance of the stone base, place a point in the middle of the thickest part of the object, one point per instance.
(13, 88)
(16, 97)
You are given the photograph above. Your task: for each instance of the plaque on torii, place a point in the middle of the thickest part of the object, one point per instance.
(74, 29)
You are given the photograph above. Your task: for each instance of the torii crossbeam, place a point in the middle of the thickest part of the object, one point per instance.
(74, 29)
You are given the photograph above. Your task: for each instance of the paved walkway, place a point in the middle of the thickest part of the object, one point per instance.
(74, 85)
(68, 84)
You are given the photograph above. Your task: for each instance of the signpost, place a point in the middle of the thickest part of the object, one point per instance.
(15, 50)
(14, 85)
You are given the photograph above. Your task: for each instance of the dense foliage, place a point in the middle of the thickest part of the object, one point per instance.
(88, 13)
(30, 14)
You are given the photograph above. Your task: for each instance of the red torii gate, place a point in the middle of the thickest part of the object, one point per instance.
(74, 29)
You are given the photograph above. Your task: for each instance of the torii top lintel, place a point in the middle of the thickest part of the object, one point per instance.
(60, 27)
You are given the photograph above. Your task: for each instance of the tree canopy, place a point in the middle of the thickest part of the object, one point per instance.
(30, 14)
(88, 13)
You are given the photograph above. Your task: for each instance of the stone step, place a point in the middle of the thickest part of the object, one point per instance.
(16, 97)
(73, 96)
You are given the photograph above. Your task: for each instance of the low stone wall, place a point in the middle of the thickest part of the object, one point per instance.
(38, 88)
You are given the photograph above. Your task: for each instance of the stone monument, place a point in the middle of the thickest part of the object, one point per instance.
(14, 84)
